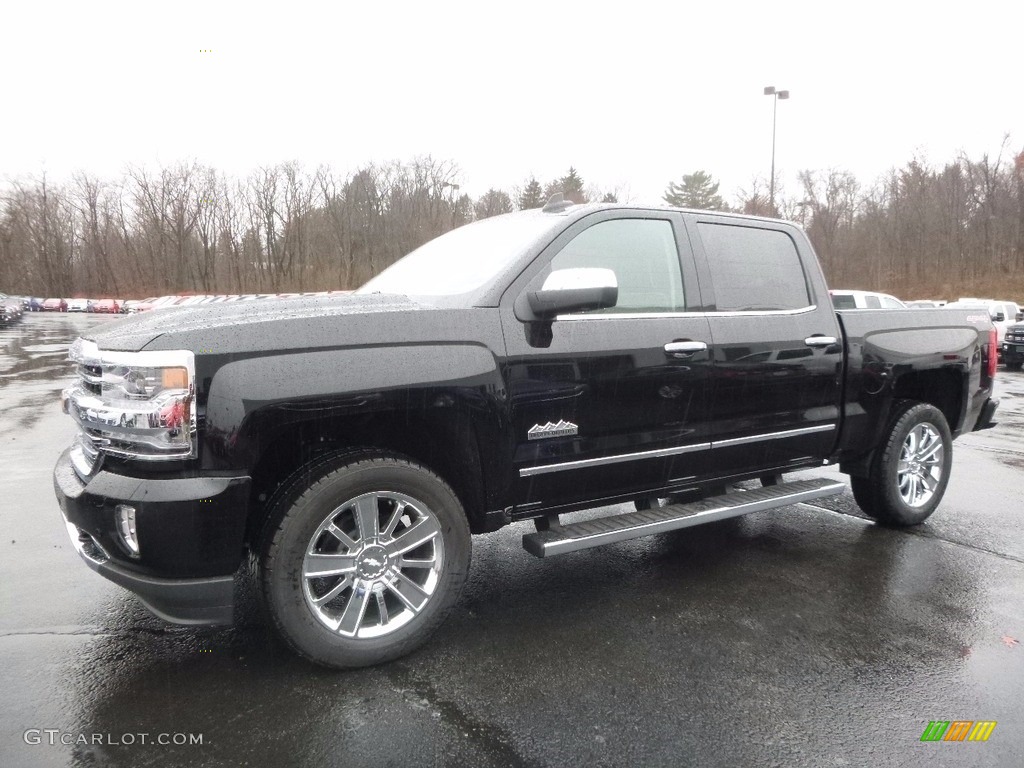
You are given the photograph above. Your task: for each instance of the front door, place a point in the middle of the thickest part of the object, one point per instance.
(599, 406)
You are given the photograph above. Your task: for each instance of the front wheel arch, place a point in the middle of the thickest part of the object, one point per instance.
(380, 577)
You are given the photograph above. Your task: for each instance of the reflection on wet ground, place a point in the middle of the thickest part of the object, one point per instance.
(34, 363)
(37, 347)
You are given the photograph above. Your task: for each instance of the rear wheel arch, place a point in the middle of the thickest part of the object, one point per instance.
(908, 474)
(944, 388)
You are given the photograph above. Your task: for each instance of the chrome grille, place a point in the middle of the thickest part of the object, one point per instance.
(92, 377)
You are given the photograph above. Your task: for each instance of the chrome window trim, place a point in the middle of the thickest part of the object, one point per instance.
(753, 313)
(661, 452)
(615, 459)
(691, 315)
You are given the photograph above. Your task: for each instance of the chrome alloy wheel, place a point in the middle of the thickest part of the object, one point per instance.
(920, 466)
(373, 564)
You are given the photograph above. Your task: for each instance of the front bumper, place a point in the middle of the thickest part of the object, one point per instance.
(190, 530)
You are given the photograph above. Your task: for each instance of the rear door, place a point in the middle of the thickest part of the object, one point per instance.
(778, 363)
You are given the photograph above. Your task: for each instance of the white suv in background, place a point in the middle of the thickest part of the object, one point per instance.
(865, 300)
(1002, 313)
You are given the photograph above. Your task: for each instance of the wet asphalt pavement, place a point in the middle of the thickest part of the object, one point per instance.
(805, 636)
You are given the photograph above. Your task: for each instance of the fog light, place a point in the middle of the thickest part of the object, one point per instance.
(126, 526)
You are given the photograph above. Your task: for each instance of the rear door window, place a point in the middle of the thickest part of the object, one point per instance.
(753, 270)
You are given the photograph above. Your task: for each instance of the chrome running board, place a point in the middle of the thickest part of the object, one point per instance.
(607, 530)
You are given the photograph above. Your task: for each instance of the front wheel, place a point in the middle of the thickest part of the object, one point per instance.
(367, 558)
(910, 472)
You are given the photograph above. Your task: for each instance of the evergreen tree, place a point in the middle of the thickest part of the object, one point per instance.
(572, 187)
(532, 196)
(492, 203)
(698, 190)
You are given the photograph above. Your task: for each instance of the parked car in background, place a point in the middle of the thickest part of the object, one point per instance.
(865, 300)
(10, 311)
(166, 301)
(924, 304)
(1011, 310)
(78, 305)
(1013, 347)
(107, 307)
(35, 304)
(133, 306)
(997, 312)
(55, 305)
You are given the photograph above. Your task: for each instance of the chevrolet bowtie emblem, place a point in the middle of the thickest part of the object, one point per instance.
(561, 429)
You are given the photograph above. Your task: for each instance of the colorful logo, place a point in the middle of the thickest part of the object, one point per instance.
(958, 730)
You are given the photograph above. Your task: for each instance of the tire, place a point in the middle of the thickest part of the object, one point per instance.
(391, 543)
(898, 493)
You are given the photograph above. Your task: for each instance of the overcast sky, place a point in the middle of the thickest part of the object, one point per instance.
(633, 95)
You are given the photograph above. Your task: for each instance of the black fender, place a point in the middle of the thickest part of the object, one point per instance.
(444, 404)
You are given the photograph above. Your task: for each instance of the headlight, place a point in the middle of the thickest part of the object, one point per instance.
(123, 382)
(134, 404)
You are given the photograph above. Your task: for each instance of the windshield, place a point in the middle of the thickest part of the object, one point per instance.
(465, 258)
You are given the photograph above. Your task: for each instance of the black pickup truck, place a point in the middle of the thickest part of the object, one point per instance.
(519, 368)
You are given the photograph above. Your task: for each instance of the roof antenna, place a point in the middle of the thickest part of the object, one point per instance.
(557, 203)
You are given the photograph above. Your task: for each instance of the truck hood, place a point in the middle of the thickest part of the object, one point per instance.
(222, 321)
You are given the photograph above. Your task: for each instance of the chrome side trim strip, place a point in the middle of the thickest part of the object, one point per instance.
(772, 436)
(621, 457)
(617, 459)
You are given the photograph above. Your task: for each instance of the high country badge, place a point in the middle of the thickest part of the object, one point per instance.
(561, 429)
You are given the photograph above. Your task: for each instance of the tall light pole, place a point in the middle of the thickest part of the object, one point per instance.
(770, 91)
(454, 188)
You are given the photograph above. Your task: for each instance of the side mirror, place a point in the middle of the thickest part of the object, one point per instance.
(999, 317)
(1020, 316)
(574, 290)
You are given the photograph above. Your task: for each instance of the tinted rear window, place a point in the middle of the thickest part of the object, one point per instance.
(844, 301)
(753, 270)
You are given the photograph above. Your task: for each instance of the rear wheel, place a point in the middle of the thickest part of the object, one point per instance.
(366, 559)
(910, 472)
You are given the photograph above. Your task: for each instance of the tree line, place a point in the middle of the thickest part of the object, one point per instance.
(919, 231)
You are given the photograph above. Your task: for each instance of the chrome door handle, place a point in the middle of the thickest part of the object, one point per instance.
(684, 348)
(820, 341)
